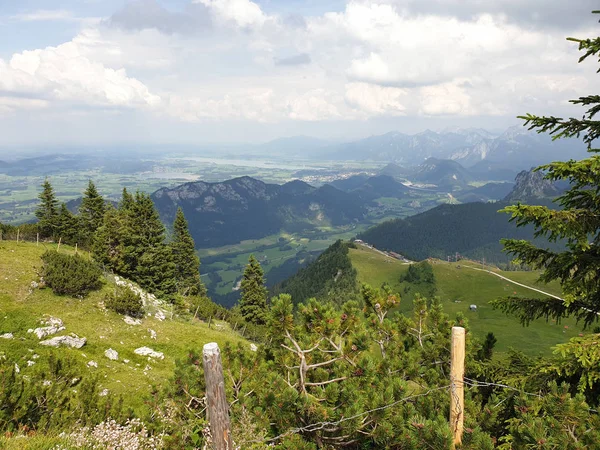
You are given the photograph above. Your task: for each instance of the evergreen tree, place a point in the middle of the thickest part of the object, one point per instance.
(253, 304)
(47, 211)
(91, 212)
(108, 245)
(187, 263)
(126, 200)
(67, 226)
(147, 258)
(577, 223)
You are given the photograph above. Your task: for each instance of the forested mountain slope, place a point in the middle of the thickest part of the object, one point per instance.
(246, 208)
(473, 230)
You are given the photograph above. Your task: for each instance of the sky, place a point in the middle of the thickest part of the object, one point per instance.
(102, 72)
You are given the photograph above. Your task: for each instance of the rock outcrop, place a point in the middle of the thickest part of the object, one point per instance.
(111, 354)
(66, 341)
(147, 351)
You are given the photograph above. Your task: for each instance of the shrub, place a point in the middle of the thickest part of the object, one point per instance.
(70, 275)
(125, 301)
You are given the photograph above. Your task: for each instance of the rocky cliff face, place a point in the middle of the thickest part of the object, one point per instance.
(532, 185)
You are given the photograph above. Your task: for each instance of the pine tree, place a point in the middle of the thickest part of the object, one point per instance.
(253, 304)
(577, 223)
(148, 260)
(108, 245)
(91, 212)
(126, 200)
(187, 263)
(67, 226)
(47, 211)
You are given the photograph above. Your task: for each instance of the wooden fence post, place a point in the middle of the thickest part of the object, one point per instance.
(18, 230)
(58, 247)
(216, 402)
(457, 390)
(37, 239)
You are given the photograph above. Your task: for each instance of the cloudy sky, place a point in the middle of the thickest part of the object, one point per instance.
(204, 71)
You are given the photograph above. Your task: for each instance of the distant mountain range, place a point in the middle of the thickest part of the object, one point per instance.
(246, 208)
(516, 146)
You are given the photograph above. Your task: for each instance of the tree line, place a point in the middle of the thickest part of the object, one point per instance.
(129, 239)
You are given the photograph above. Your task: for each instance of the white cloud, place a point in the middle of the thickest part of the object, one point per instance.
(244, 13)
(229, 60)
(446, 99)
(63, 74)
(371, 99)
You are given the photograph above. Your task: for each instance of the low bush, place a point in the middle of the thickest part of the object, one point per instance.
(125, 301)
(70, 275)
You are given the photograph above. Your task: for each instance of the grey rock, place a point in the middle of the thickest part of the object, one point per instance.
(6, 336)
(67, 341)
(111, 354)
(131, 321)
(42, 332)
(147, 351)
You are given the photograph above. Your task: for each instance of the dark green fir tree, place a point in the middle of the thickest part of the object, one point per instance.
(126, 200)
(91, 212)
(187, 263)
(148, 260)
(67, 226)
(108, 245)
(253, 304)
(47, 211)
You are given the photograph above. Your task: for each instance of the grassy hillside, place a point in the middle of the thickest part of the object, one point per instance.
(22, 308)
(460, 285)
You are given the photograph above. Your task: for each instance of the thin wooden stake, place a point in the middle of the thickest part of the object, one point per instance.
(37, 239)
(18, 230)
(75, 247)
(58, 247)
(196, 313)
(216, 403)
(457, 389)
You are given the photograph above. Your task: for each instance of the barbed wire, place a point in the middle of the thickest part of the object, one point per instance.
(476, 383)
(321, 425)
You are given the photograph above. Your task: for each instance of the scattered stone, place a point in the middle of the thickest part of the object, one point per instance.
(30, 363)
(35, 356)
(131, 321)
(53, 321)
(160, 315)
(67, 341)
(34, 285)
(152, 333)
(7, 336)
(253, 347)
(126, 361)
(147, 351)
(104, 393)
(92, 364)
(147, 368)
(47, 383)
(17, 368)
(47, 331)
(111, 354)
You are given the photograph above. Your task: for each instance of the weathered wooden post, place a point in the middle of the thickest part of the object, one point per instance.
(457, 390)
(18, 230)
(37, 239)
(58, 247)
(216, 402)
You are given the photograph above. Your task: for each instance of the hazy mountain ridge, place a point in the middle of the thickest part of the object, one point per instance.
(516, 145)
